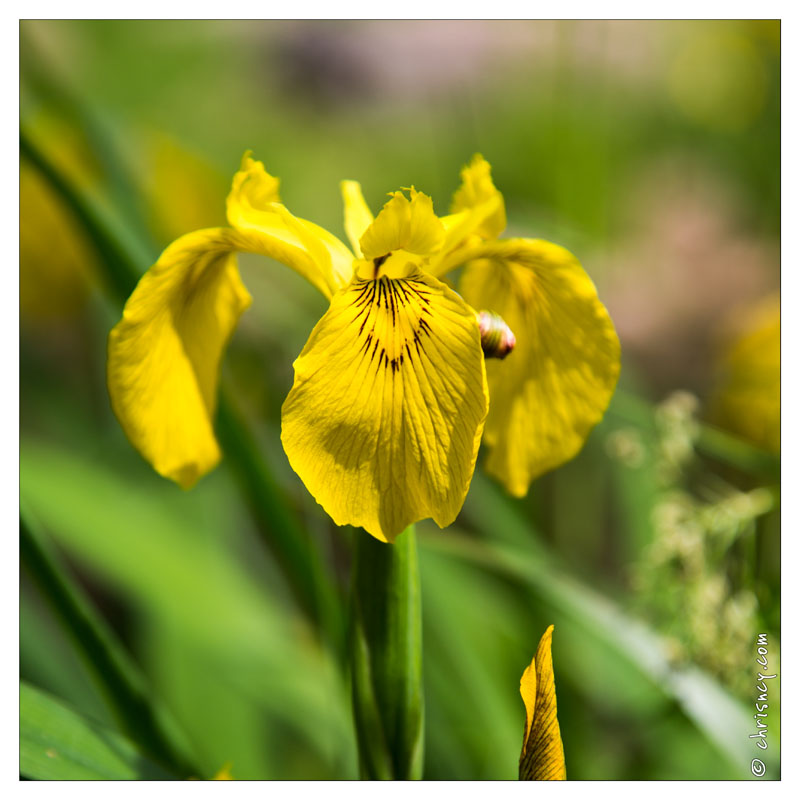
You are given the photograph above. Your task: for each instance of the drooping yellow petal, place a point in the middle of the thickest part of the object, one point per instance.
(478, 191)
(387, 409)
(404, 224)
(549, 393)
(357, 216)
(164, 355)
(542, 756)
(253, 206)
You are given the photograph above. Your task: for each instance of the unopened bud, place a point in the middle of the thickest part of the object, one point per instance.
(497, 340)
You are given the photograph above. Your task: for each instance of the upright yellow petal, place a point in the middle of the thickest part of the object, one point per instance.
(542, 757)
(253, 206)
(478, 212)
(357, 216)
(549, 393)
(463, 229)
(387, 409)
(404, 224)
(478, 191)
(252, 187)
(164, 355)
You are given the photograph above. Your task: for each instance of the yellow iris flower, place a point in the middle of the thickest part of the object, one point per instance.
(391, 392)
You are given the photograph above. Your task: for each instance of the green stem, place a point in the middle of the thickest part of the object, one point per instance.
(116, 674)
(386, 657)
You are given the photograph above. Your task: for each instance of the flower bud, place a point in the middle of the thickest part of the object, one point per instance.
(497, 340)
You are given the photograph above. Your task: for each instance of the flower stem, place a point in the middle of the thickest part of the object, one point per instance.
(386, 657)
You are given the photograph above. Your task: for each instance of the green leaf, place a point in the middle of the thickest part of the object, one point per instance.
(478, 631)
(295, 549)
(48, 658)
(118, 677)
(178, 558)
(56, 743)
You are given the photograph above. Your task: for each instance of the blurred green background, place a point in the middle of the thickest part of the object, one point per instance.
(649, 149)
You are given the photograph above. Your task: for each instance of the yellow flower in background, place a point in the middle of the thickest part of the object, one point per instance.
(747, 396)
(55, 262)
(542, 757)
(57, 265)
(391, 391)
(225, 773)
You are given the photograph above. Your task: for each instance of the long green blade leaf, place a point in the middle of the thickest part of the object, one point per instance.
(56, 743)
(117, 676)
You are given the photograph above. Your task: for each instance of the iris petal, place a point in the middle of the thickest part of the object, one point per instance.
(253, 207)
(478, 212)
(478, 191)
(542, 757)
(461, 231)
(164, 355)
(387, 409)
(556, 385)
(357, 216)
(404, 224)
